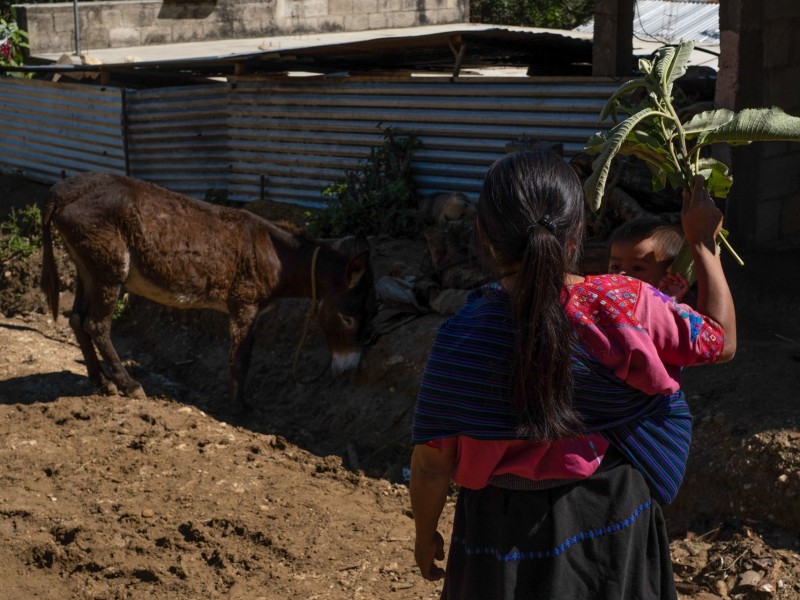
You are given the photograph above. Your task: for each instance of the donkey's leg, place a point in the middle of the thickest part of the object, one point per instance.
(97, 324)
(242, 325)
(80, 308)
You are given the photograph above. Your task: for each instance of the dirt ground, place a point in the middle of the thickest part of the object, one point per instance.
(175, 497)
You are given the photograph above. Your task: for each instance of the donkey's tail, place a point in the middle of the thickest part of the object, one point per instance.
(49, 282)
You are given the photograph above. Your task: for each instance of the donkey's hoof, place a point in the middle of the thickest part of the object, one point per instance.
(136, 392)
(107, 388)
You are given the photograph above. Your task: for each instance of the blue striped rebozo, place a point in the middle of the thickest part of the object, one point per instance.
(466, 391)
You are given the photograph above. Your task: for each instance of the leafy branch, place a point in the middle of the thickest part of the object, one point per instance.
(673, 150)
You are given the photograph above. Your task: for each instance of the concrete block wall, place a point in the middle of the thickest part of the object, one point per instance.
(759, 67)
(123, 24)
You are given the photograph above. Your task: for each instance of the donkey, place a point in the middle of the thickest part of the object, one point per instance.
(185, 253)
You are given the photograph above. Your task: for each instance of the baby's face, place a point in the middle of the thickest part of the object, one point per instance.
(639, 260)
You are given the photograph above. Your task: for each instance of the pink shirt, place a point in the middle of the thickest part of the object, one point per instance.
(639, 333)
(478, 460)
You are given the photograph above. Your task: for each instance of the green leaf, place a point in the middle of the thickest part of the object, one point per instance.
(680, 63)
(684, 265)
(708, 120)
(596, 182)
(670, 64)
(717, 176)
(613, 101)
(661, 65)
(754, 125)
(594, 145)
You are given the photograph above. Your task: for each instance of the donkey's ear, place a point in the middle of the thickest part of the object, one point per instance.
(356, 269)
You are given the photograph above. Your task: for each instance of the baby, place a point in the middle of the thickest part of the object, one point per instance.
(644, 248)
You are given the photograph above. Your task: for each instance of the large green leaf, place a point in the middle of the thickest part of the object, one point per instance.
(596, 182)
(707, 121)
(670, 64)
(613, 102)
(754, 125)
(662, 63)
(680, 61)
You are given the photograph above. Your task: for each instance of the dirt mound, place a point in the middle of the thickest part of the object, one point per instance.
(175, 497)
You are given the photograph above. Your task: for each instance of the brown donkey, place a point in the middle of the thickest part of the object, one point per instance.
(181, 252)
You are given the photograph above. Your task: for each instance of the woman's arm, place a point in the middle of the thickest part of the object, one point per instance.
(430, 481)
(702, 221)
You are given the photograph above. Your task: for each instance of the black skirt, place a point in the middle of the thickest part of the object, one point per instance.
(602, 538)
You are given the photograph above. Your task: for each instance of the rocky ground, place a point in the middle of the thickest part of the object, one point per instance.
(175, 497)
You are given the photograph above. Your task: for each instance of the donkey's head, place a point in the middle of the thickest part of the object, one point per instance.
(347, 308)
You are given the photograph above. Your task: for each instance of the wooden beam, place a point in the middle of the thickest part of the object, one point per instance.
(612, 50)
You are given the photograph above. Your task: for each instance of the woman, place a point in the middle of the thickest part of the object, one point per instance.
(554, 401)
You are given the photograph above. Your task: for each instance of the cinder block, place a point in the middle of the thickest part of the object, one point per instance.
(365, 7)
(782, 90)
(314, 8)
(340, 7)
(790, 221)
(402, 19)
(122, 37)
(62, 19)
(779, 39)
(378, 21)
(390, 5)
(779, 176)
(781, 9)
(356, 23)
(768, 221)
(189, 32)
(332, 23)
(156, 35)
(144, 14)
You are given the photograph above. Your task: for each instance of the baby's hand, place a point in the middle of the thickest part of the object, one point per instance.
(674, 285)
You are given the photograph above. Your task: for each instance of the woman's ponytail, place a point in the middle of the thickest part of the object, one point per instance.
(531, 216)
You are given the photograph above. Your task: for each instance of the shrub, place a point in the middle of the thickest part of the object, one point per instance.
(377, 197)
(21, 233)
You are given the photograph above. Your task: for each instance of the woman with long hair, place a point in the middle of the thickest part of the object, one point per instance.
(553, 400)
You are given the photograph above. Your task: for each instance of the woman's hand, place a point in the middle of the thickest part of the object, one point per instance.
(431, 468)
(425, 552)
(700, 218)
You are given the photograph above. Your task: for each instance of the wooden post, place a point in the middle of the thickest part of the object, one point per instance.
(612, 49)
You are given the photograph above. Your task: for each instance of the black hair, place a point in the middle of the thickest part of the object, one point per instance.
(667, 237)
(530, 220)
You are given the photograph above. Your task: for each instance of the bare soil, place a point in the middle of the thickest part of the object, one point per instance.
(305, 497)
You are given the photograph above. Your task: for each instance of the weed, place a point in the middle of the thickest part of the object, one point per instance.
(21, 233)
(120, 308)
(377, 197)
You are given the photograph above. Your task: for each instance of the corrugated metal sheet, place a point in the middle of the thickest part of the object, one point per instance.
(48, 130)
(673, 21)
(178, 137)
(289, 139)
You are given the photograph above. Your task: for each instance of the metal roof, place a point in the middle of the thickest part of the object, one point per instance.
(670, 21)
(543, 52)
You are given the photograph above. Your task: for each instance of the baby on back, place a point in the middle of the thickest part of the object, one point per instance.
(644, 248)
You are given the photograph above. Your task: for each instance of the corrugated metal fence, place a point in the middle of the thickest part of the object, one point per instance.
(286, 140)
(49, 129)
(178, 137)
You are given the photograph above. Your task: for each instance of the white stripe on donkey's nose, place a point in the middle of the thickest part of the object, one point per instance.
(344, 362)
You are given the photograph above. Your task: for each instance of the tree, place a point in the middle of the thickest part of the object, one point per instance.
(556, 14)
